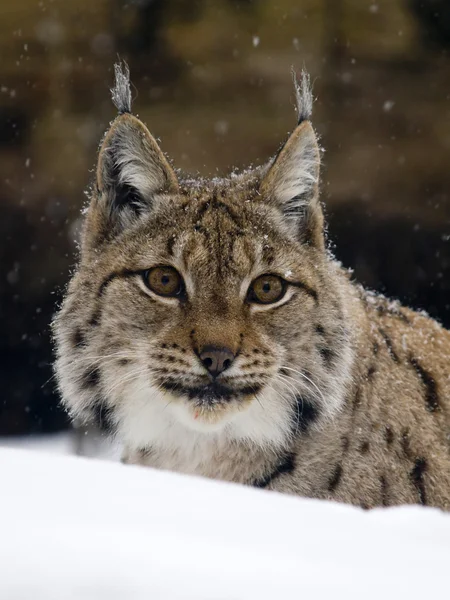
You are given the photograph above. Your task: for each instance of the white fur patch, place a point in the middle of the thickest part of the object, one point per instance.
(153, 419)
(135, 168)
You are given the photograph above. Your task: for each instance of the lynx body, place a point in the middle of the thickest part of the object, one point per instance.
(208, 327)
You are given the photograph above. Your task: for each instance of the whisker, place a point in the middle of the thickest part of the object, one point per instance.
(128, 377)
(298, 399)
(284, 379)
(259, 401)
(307, 379)
(48, 380)
(102, 357)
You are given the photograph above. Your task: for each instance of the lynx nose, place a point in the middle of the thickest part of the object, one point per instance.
(216, 360)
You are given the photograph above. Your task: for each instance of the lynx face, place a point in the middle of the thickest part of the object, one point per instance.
(203, 308)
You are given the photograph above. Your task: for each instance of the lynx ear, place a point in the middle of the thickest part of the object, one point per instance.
(292, 180)
(131, 167)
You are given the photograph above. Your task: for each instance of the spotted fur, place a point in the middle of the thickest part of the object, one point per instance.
(334, 392)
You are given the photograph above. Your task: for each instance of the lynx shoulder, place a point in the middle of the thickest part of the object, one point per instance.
(210, 330)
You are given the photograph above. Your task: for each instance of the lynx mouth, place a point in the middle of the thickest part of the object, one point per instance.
(211, 393)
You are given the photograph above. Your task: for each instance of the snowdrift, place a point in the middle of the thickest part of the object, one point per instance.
(73, 528)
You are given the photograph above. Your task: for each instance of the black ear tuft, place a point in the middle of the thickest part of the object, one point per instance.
(121, 92)
(303, 96)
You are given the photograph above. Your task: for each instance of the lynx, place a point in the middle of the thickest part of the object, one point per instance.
(211, 330)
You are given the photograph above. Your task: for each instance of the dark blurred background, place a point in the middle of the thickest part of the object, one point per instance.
(212, 82)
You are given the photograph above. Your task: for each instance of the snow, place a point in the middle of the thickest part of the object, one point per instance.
(89, 442)
(60, 443)
(82, 528)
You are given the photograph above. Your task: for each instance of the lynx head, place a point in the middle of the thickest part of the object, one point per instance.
(203, 307)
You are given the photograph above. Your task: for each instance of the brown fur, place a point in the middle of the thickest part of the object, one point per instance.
(334, 393)
(390, 443)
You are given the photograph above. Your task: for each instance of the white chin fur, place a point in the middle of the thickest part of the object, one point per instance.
(150, 418)
(197, 420)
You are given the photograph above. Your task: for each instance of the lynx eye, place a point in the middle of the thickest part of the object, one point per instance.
(267, 289)
(164, 281)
